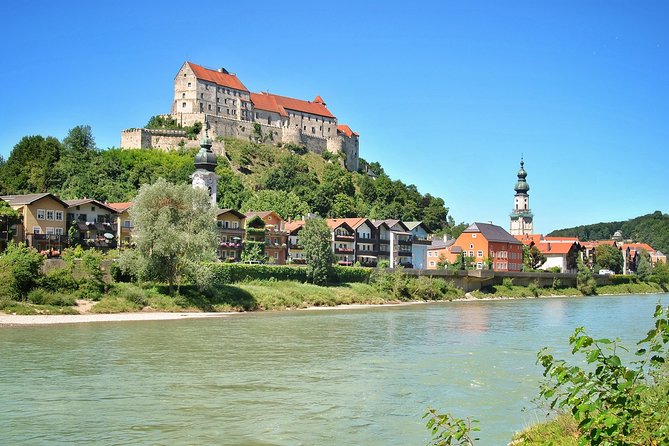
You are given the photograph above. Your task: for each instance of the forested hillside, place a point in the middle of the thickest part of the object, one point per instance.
(652, 229)
(253, 176)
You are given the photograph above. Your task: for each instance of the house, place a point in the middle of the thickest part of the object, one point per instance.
(276, 237)
(441, 251)
(400, 243)
(123, 223)
(561, 252)
(383, 240)
(295, 249)
(632, 255)
(366, 241)
(343, 241)
(419, 243)
(94, 223)
(488, 244)
(230, 225)
(43, 225)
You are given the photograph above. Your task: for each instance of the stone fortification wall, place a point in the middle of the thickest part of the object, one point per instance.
(240, 129)
(162, 139)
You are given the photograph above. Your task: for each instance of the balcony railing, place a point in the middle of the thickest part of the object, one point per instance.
(295, 246)
(344, 238)
(404, 241)
(343, 250)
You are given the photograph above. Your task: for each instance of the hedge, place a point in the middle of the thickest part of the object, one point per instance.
(240, 272)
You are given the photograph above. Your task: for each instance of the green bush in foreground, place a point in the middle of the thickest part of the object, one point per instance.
(604, 403)
(613, 403)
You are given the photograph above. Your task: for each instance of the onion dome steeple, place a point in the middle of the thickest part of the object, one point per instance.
(205, 158)
(521, 185)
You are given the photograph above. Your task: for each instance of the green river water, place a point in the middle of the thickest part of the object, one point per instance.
(338, 377)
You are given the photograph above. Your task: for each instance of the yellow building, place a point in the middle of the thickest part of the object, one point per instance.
(43, 223)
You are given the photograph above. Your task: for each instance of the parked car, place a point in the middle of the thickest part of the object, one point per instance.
(605, 272)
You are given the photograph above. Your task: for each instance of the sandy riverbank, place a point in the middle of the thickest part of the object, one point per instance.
(44, 319)
(85, 317)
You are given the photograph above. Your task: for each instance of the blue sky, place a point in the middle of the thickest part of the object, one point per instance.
(446, 95)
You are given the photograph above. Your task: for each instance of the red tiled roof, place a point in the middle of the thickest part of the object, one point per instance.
(346, 130)
(554, 247)
(315, 108)
(334, 223)
(318, 100)
(222, 79)
(267, 102)
(120, 207)
(527, 239)
(294, 225)
(637, 246)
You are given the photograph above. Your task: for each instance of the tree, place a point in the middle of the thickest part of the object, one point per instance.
(343, 207)
(286, 204)
(644, 268)
(608, 257)
(174, 231)
(585, 283)
(533, 258)
(315, 237)
(29, 168)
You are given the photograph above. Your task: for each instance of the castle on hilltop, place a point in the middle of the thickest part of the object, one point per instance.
(231, 110)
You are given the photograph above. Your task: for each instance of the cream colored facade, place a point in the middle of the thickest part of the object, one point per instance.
(43, 223)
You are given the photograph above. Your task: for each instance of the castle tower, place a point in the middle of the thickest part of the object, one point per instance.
(521, 216)
(204, 176)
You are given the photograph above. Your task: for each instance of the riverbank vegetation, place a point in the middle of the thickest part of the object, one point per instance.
(606, 401)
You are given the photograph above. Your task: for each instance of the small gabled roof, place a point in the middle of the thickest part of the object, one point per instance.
(334, 223)
(353, 223)
(440, 244)
(234, 212)
(379, 223)
(18, 200)
(261, 214)
(562, 239)
(555, 248)
(294, 226)
(79, 202)
(529, 239)
(492, 233)
(346, 130)
(637, 246)
(223, 79)
(392, 222)
(120, 207)
(411, 225)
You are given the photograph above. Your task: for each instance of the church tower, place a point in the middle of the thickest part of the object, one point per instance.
(521, 216)
(204, 176)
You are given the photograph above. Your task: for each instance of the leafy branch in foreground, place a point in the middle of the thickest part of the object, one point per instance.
(613, 403)
(449, 430)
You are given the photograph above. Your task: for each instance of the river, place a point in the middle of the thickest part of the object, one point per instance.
(338, 377)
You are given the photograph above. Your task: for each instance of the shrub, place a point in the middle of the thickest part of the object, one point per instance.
(346, 274)
(534, 288)
(613, 403)
(41, 297)
(394, 284)
(59, 280)
(21, 268)
(507, 282)
(226, 273)
(132, 293)
(114, 304)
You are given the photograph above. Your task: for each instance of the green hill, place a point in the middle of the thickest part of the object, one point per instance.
(652, 229)
(286, 178)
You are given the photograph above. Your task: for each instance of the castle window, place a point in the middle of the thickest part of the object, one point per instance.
(313, 130)
(183, 95)
(183, 105)
(305, 127)
(218, 100)
(227, 110)
(225, 101)
(201, 107)
(201, 95)
(209, 107)
(234, 112)
(189, 84)
(218, 109)
(184, 74)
